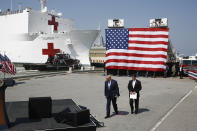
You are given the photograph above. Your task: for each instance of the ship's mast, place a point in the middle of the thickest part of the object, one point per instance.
(11, 5)
(43, 4)
(19, 6)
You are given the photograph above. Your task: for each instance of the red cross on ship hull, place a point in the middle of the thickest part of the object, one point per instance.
(50, 51)
(53, 22)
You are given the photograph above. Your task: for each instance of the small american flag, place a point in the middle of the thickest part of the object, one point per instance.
(12, 68)
(8, 66)
(137, 49)
(4, 68)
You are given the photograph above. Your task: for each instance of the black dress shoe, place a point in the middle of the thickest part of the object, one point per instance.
(117, 113)
(132, 112)
(136, 112)
(107, 117)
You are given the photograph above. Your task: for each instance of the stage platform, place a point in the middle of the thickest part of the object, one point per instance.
(19, 120)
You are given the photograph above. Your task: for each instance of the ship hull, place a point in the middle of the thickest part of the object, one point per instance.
(77, 43)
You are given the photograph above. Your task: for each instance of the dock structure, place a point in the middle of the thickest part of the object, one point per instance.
(97, 56)
(171, 102)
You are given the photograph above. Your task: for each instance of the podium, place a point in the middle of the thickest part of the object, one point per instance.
(4, 121)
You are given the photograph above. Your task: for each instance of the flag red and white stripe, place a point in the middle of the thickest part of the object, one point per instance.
(7, 65)
(192, 74)
(147, 50)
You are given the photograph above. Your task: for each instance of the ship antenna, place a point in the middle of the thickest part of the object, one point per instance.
(43, 4)
(19, 6)
(11, 5)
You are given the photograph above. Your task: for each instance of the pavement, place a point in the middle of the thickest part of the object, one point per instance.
(184, 117)
(165, 104)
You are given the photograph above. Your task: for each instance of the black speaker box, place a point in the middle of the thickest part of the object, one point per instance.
(62, 117)
(80, 118)
(40, 107)
(73, 118)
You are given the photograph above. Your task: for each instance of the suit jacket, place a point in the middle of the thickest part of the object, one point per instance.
(113, 91)
(136, 88)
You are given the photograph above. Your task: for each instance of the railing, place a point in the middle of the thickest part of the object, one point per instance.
(10, 12)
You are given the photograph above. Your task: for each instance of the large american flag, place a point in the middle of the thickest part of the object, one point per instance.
(137, 49)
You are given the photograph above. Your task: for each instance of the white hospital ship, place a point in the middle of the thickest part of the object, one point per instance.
(31, 36)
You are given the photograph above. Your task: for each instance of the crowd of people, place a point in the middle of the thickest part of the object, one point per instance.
(173, 69)
(57, 59)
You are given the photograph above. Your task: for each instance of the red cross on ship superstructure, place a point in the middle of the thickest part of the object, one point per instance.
(53, 22)
(50, 51)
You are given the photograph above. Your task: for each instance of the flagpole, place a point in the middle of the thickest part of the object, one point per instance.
(4, 72)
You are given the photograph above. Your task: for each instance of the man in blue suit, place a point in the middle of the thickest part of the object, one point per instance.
(111, 94)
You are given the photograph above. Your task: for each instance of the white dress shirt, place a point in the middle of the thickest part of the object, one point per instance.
(109, 84)
(133, 83)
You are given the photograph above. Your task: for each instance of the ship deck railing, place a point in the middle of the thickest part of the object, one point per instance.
(10, 12)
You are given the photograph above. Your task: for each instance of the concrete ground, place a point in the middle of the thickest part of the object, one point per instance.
(158, 97)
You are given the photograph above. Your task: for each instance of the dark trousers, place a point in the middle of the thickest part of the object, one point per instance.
(181, 75)
(109, 105)
(136, 104)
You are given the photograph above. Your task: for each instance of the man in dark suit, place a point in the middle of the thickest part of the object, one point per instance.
(111, 94)
(181, 72)
(134, 87)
